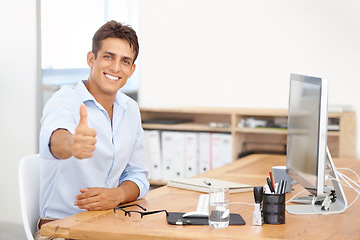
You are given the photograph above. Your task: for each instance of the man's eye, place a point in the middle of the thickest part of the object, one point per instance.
(107, 56)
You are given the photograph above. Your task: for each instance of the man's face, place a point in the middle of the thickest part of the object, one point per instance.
(112, 67)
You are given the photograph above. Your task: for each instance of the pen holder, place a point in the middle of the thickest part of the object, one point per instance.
(274, 208)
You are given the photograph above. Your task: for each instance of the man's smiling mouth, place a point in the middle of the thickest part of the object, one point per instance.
(111, 77)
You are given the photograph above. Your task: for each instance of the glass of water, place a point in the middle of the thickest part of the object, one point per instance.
(219, 207)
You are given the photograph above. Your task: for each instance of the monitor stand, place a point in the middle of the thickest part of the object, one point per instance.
(338, 206)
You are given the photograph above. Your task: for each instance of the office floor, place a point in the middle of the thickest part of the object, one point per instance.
(11, 231)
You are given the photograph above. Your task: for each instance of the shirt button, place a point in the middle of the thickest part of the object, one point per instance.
(107, 184)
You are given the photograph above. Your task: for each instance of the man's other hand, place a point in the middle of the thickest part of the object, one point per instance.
(98, 198)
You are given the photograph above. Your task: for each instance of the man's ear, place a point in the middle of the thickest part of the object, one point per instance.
(90, 59)
(132, 69)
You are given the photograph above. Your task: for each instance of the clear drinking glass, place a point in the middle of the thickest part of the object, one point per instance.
(219, 207)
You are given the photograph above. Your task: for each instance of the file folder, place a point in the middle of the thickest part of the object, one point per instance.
(152, 150)
(201, 185)
(204, 152)
(173, 147)
(191, 154)
(221, 149)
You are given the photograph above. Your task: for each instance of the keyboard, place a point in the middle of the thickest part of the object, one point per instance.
(308, 200)
(202, 209)
(203, 203)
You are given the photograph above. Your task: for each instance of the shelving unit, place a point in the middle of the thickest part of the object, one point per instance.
(342, 142)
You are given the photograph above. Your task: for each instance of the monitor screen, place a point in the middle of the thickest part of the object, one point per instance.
(307, 132)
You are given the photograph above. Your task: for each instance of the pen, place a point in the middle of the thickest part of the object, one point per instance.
(207, 182)
(280, 187)
(270, 185)
(284, 188)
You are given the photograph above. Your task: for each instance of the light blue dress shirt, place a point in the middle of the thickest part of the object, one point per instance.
(119, 153)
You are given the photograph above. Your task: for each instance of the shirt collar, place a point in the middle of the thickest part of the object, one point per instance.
(121, 99)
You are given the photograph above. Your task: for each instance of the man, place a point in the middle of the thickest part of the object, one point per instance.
(91, 135)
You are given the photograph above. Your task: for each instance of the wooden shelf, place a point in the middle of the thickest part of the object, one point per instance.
(279, 131)
(342, 143)
(185, 127)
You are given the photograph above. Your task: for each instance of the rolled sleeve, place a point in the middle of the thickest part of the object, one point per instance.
(51, 121)
(139, 179)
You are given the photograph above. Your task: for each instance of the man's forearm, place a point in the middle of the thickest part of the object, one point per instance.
(60, 144)
(129, 191)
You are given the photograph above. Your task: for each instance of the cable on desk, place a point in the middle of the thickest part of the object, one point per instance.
(347, 180)
(348, 185)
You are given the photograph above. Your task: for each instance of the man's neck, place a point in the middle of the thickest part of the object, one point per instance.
(106, 100)
(107, 104)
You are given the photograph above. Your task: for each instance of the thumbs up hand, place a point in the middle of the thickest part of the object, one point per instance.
(84, 138)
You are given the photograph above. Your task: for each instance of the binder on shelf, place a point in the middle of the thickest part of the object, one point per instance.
(152, 150)
(173, 146)
(221, 149)
(191, 154)
(204, 152)
(202, 185)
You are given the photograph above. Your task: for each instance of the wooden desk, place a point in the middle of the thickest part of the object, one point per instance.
(250, 170)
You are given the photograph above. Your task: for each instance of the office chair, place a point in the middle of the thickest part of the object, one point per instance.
(29, 186)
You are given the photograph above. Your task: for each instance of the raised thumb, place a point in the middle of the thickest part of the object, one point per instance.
(83, 115)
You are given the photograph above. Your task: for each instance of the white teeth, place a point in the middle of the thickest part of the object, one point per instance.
(111, 77)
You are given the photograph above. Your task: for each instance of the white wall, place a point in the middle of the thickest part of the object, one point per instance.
(18, 98)
(240, 53)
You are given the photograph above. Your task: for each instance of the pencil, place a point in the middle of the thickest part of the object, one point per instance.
(272, 179)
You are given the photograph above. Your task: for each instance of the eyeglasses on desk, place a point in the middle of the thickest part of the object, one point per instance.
(135, 216)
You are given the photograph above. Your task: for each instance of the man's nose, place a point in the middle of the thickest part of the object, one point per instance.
(115, 66)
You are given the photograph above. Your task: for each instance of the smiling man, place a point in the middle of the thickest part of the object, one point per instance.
(91, 135)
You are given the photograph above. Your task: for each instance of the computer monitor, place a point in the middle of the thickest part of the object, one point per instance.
(308, 159)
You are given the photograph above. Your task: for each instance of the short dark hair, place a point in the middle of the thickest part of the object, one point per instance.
(115, 30)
